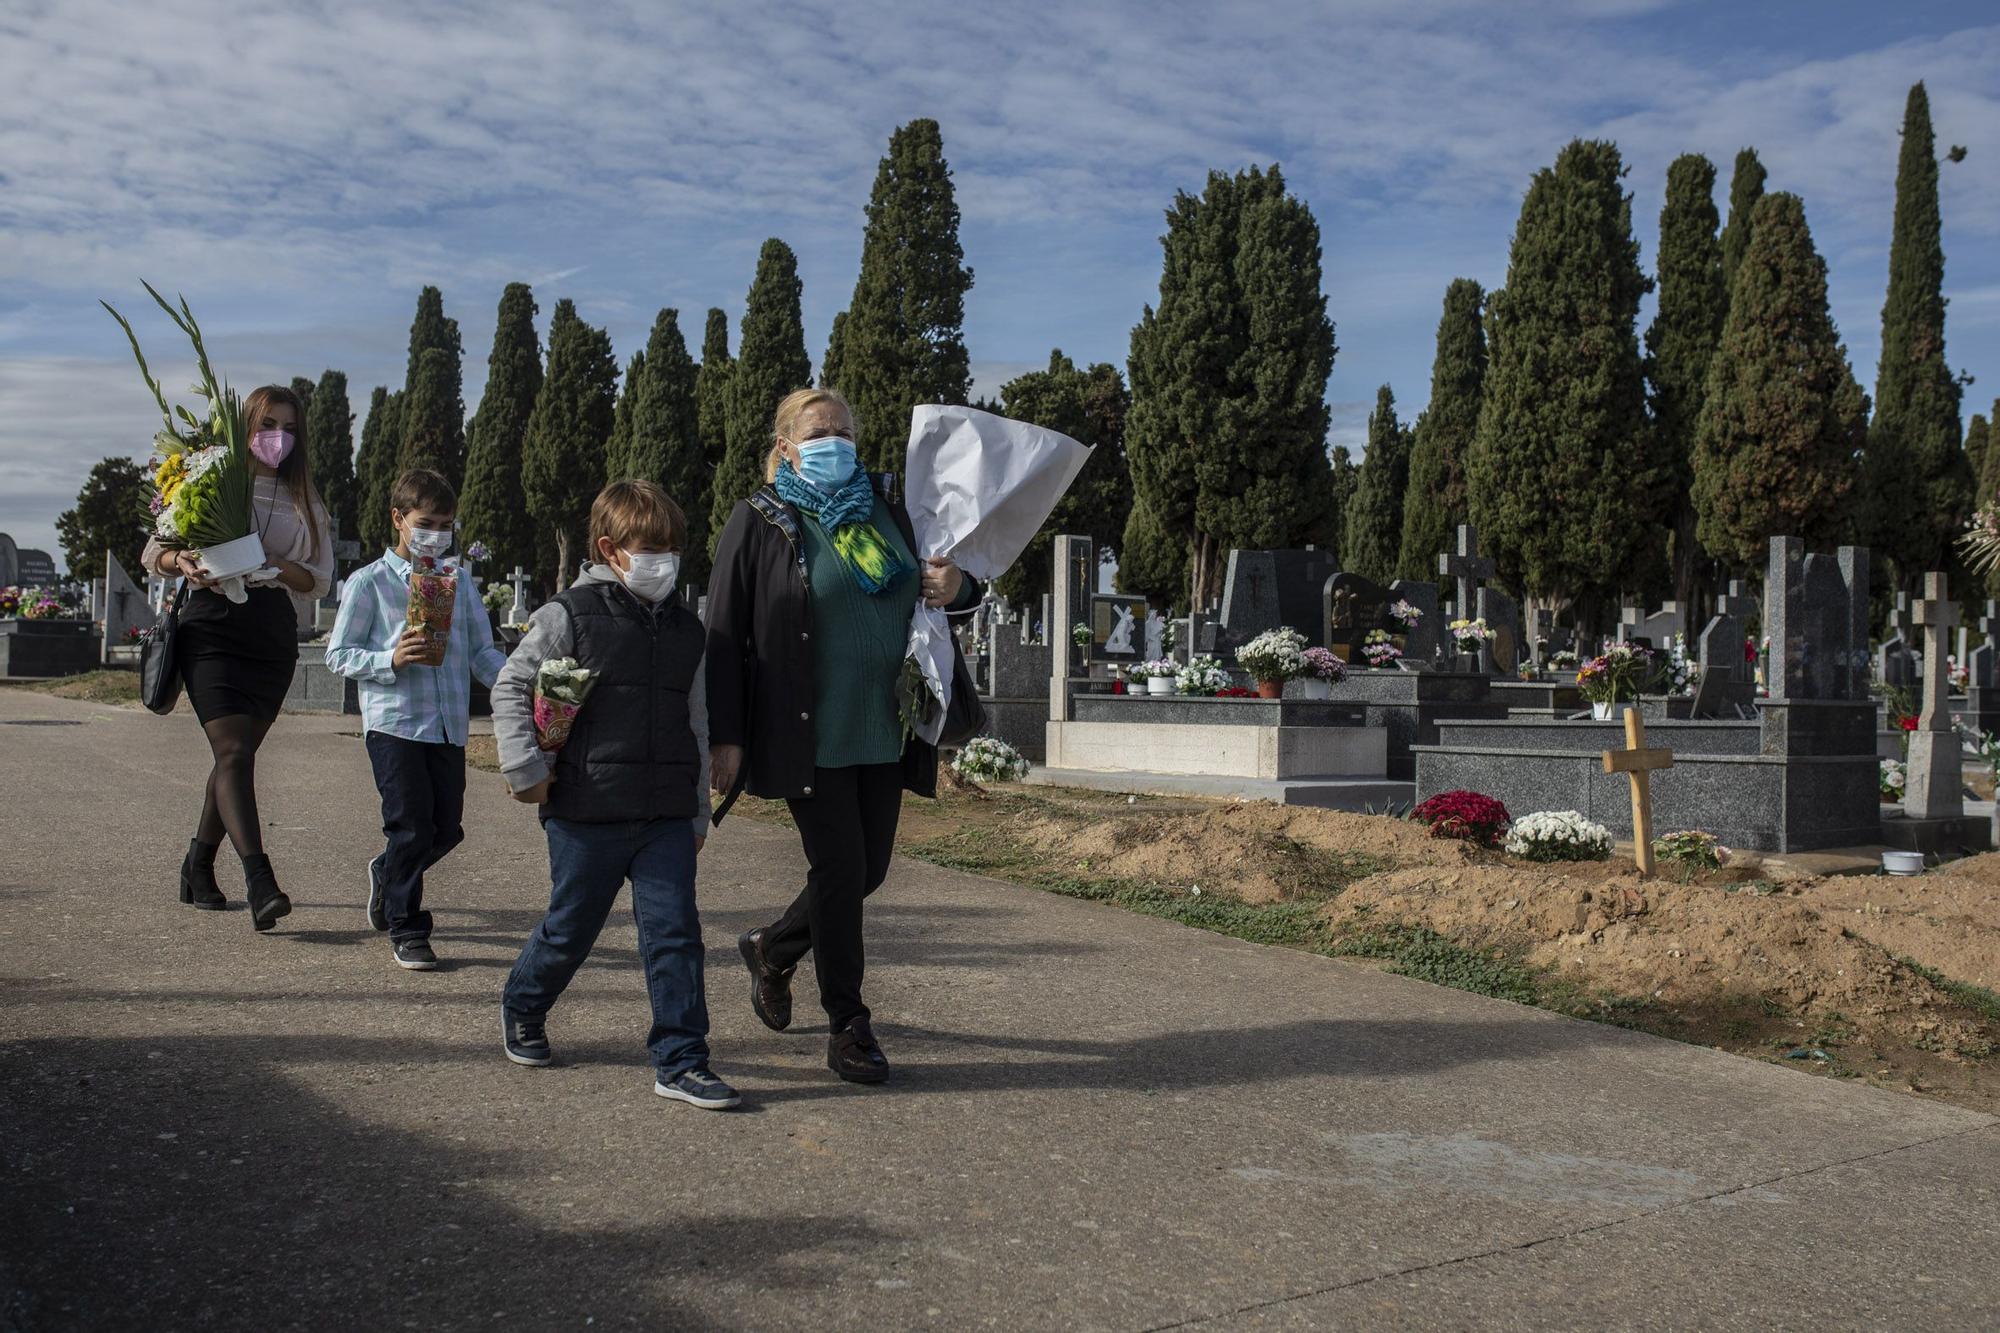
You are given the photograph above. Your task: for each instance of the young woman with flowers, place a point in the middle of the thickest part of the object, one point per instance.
(236, 658)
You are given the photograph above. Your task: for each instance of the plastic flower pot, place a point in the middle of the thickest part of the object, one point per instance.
(233, 558)
(1315, 688)
(1159, 684)
(1903, 863)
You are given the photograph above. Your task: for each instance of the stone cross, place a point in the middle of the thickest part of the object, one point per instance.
(1937, 613)
(1736, 602)
(1467, 566)
(1639, 763)
(518, 613)
(1630, 617)
(1933, 786)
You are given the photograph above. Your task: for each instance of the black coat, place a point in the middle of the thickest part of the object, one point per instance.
(760, 650)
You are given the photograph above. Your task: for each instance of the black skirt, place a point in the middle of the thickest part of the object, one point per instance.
(237, 658)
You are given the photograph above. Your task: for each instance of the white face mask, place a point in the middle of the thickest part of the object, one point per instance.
(430, 542)
(652, 576)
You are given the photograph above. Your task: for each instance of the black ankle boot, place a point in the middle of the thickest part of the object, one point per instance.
(267, 901)
(198, 886)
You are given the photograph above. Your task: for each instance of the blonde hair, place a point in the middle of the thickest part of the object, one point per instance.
(637, 513)
(786, 420)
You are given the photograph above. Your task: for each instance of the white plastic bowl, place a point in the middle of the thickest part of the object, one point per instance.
(233, 558)
(1903, 863)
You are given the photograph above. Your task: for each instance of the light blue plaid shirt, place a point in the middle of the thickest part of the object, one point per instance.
(417, 703)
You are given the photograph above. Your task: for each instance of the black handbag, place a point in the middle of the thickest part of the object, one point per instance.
(964, 716)
(159, 671)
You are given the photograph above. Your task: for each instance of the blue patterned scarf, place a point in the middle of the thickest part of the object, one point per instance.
(848, 517)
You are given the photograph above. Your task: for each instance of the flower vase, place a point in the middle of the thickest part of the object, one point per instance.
(1611, 710)
(1159, 684)
(1314, 688)
(1270, 689)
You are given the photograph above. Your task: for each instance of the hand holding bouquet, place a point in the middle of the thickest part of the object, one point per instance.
(433, 599)
(561, 686)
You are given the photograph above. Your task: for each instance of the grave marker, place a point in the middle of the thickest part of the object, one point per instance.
(1467, 567)
(1502, 653)
(1639, 764)
(1934, 785)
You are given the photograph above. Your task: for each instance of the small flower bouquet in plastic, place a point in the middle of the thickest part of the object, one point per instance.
(561, 686)
(433, 600)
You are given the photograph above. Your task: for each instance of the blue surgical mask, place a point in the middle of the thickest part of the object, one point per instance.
(827, 462)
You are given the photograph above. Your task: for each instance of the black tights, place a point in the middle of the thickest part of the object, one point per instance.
(231, 802)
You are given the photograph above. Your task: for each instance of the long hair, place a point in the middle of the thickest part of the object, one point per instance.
(296, 471)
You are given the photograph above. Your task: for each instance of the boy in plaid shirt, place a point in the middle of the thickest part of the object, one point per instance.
(415, 715)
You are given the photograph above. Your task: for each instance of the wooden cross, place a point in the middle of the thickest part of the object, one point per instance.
(1937, 613)
(1467, 566)
(1637, 762)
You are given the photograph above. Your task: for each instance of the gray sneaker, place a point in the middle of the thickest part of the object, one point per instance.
(416, 956)
(698, 1087)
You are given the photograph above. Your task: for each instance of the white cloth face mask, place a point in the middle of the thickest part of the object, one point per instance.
(652, 576)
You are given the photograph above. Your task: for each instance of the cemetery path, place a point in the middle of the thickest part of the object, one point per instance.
(1099, 1119)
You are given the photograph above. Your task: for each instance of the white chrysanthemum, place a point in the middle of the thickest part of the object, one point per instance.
(1558, 835)
(989, 759)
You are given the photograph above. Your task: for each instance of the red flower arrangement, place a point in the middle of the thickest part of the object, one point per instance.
(1466, 815)
(1907, 722)
(1235, 692)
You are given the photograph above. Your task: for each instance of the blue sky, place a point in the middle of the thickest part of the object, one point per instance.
(300, 169)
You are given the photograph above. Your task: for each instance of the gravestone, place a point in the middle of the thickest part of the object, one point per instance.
(1420, 642)
(1934, 786)
(517, 614)
(1117, 628)
(1542, 623)
(126, 607)
(1466, 567)
(1896, 659)
(1661, 626)
(1073, 563)
(1630, 618)
(1816, 613)
(1353, 606)
(1727, 682)
(1982, 694)
(1266, 589)
(1502, 653)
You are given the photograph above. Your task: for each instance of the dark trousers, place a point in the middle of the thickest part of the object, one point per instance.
(588, 864)
(848, 825)
(423, 806)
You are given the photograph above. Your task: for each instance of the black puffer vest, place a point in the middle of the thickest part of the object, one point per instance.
(632, 755)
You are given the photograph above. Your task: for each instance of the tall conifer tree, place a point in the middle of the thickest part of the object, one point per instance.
(1228, 427)
(901, 340)
(1988, 487)
(1681, 341)
(1090, 407)
(562, 458)
(1746, 187)
(493, 509)
(666, 438)
(711, 390)
(1343, 479)
(1372, 533)
(1919, 483)
(771, 361)
(375, 468)
(303, 387)
(618, 461)
(434, 414)
(1562, 480)
(1978, 442)
(330, 430)
(1434, 503)
(1782, 418)
(1152, 562)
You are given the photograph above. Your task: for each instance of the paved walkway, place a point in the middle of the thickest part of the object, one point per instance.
(1099, 1121)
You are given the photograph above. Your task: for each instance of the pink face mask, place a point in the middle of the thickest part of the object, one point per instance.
(270, 446)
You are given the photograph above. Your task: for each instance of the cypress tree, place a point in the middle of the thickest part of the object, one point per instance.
(303, 387)
(1152, 562)
(1560, 479)
(836, 352)
(1227, 432)
(493, 508)
(901, 341)
(1372, 533)
(711, 389)
(666, 438)
(1746, 187)
(562, 457)
(1434, 503)
(434, 418)
(330, 433)
(771, 361)
(1919, 482)
(618, 460)
(1989, 472)
(1978, 441)
(375, 468)
(1090, 407)
(1681, 341)
(1345, 476)
(1782, 418)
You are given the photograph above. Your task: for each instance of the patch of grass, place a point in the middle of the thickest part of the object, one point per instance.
(1417, 951)
(93, 687)
(1976, 998)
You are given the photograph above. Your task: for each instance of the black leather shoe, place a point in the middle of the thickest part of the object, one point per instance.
(267, 901)
(198, 886)
(770, 988)
(853, 1054)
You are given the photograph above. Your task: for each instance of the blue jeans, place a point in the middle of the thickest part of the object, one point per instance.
(588, 864)
(423, 808)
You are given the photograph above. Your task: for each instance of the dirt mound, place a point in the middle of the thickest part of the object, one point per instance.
(1711, 947)
(1256, 852)
(1948, 919)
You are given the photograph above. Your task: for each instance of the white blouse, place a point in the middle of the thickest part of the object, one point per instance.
(287, 535)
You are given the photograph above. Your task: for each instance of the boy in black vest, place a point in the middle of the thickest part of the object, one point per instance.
(626, 797)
